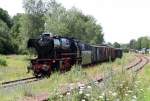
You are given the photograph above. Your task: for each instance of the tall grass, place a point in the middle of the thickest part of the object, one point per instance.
(120, 86)
(57, 82)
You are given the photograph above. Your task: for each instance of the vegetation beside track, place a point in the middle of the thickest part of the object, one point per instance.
(57, 80)
(14, 68)
(144, 79)
(125, 86)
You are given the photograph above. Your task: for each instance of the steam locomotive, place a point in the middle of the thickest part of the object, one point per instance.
(61, 53)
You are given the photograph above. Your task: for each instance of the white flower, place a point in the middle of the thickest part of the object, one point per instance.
(61, 96)
(103, 94)
(141, 89)
(123, 81)
(101, 97)
(87, 95)
(83, 100)
(121, 85)
(129, 91)
(89, 87)
(134, 97)
(110, 92)
(80, 92)
(82, 87)
(68, 93)
(126, 94)
(114, 94)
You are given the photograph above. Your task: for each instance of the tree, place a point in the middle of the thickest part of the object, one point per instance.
(5, 44)
(116, 45)
(143, 42)
(4, 16)
(16, 36)
(133, 44)
(73, 23)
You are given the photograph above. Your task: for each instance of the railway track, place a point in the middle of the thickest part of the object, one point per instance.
(17, 82)
(138, 65)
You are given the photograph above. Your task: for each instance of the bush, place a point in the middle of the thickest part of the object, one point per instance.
(3, 62)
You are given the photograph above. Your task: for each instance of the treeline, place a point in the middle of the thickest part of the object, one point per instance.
(45, 16)
(142, 42)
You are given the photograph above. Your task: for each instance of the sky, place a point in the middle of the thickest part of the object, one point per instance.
(121, 20)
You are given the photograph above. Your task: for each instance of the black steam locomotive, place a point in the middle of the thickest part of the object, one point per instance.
(61, 53)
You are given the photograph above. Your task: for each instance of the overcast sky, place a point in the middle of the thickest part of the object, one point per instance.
(122, 20)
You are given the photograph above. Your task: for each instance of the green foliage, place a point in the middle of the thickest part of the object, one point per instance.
(5, 17)
(116, 45)
(5, 44)
(142, 42)
(133, 44)
(73, 23)
(3, 62)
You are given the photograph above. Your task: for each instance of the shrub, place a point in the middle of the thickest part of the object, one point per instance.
(3, 62)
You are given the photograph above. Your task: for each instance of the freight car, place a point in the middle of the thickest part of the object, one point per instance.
(60, 53)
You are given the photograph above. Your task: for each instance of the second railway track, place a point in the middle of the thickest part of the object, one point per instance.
(135, 66)
(17, 82)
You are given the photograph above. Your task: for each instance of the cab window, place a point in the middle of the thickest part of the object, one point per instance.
(65, 43)
(56, 43)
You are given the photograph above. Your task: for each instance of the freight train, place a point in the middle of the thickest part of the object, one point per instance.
(61, 53)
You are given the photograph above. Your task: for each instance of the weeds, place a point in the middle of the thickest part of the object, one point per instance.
(121, 86)
(3, 62)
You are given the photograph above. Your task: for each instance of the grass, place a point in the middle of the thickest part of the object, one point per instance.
(15, 68)
(124, 86)
(144, 79)
(57, 80)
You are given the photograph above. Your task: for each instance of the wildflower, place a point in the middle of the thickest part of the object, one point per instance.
(110, 92)
(103, 94)
(126, 94)
(61, 96)
(141, 90)
(82, 87)
(134, 97)
(121, 85)
(114, 94)
(129, 91)
(89, 87)
(83, 100)
(123, 81)
(101, 97)
(80, 92)
(87, 95)
(68, 93)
